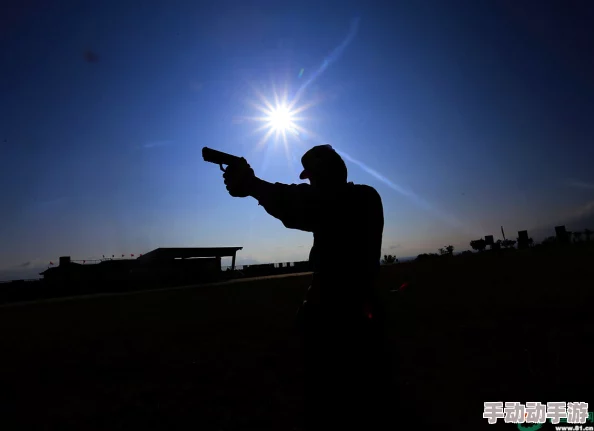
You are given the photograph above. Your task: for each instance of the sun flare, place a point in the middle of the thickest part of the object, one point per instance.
(281, 119)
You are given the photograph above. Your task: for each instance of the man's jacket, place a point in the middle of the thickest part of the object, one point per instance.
(347, 224)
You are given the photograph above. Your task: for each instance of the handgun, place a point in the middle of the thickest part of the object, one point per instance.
(219, 158)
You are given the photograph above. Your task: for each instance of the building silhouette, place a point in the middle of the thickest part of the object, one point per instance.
(523, 240)
(562, 235)
(162, 266)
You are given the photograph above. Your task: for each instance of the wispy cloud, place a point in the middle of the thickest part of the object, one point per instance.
(334, 55)
(196, 86)
(451, 219)
(577, 217)
(52, 202)
(25, 270)
(576, 214)
(154, 144)
(580, 184)
(394, 247)
(584, 210)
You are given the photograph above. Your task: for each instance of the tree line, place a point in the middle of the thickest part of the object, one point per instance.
(480, 245)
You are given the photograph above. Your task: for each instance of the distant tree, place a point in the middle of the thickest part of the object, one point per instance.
(577, 236)
(425, 256)
(448, 250)
(508, 243)
(568, 236)
(466, 253)
(551, 240)
(530, 242)
(478, 244)
(389, 259)
(587, 234)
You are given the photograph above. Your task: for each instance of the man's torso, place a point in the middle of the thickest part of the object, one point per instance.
(346, 252)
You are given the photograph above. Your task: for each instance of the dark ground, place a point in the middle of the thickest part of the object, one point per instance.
(471, 329)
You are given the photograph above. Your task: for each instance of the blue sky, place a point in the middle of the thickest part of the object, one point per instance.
(465, 116)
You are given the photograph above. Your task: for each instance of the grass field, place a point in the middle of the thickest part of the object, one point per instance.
(227, 357)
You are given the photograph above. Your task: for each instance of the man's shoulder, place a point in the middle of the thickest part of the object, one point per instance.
(360, 191)
(363, 187)
(365, 190)
(301, 187)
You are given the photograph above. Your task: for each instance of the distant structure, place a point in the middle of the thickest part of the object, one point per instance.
(162, 254)
(263, 269)
(523, 241)
(162, 267)
(562, 235)
(489, 240)
(502, 233)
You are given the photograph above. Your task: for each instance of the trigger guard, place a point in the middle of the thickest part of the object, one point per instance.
(221, 166)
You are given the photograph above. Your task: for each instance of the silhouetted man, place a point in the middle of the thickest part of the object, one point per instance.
(341, 317)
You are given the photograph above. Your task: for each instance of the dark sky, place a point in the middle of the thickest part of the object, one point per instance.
(464, 115)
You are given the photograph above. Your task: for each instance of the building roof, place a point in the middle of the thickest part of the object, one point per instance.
(60, 268)
(189, 252)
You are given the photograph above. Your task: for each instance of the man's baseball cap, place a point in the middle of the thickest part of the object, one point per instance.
(323, 161)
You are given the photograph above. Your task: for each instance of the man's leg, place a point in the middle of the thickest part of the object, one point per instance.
(315, 367)
(341, 387)
(370, 377)
(330, 390)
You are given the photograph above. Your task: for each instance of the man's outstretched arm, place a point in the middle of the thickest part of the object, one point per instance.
(297, 206)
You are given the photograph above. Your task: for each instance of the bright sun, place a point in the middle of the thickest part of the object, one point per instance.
(281, 119)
